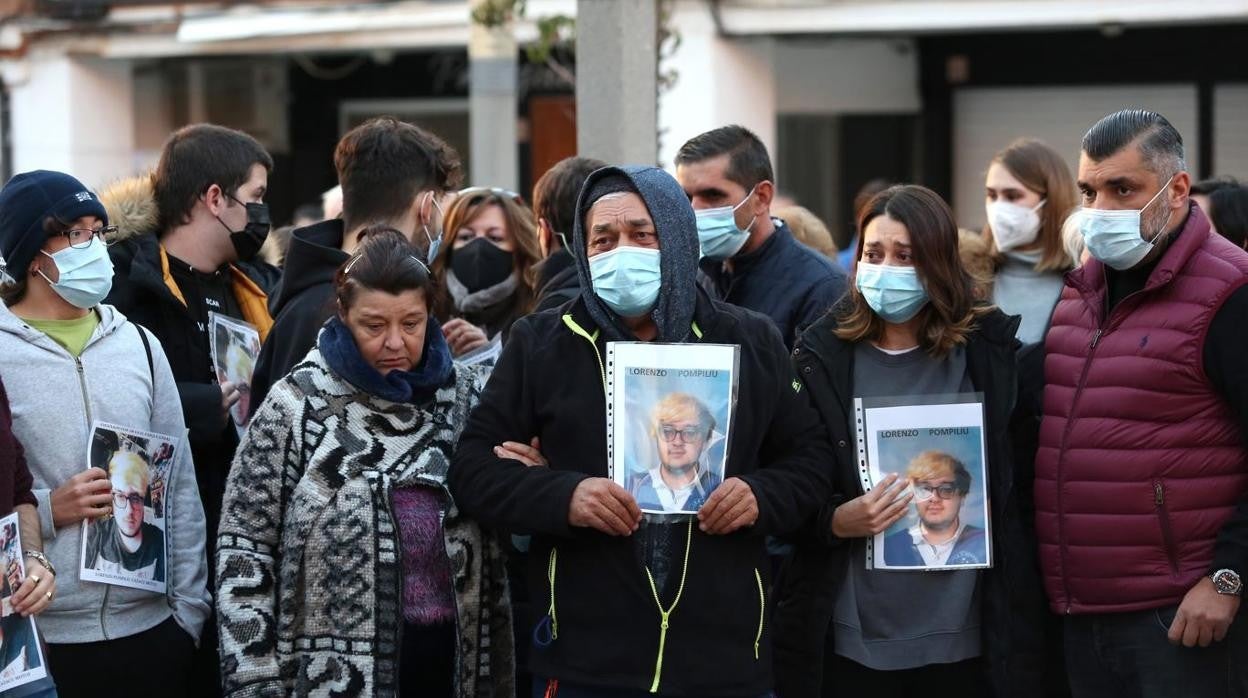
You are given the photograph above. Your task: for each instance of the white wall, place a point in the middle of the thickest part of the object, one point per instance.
(1230, 130)
(720, 82)
(72, 114)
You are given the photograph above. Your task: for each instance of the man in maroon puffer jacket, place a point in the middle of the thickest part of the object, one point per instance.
(1142, 472)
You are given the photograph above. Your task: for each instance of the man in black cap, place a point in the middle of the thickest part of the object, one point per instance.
(675, 606)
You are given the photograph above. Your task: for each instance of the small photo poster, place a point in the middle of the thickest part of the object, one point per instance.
(939, 456)
(21, 656)
(235, 349)
(127, 547)
(669, 421)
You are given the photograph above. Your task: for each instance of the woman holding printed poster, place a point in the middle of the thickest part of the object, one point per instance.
(910, 331)
(68, 361)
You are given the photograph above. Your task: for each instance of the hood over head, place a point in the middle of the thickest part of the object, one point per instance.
(677, 231)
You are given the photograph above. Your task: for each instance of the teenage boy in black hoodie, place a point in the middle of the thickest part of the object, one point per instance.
(637, 607)
(392, 173)
(554, 205)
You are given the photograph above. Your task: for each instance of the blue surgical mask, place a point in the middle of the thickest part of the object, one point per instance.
(718, 232)
(627, 279)
(1114, 237)
(85, 274)
(896, 294)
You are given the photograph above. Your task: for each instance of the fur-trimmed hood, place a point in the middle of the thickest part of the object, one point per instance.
(131, 206)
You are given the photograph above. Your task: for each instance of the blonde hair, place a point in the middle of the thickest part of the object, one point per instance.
(808, 229)
(978, 260)
(130, 469)
(930, 464)
(239, 361)
(673, 406)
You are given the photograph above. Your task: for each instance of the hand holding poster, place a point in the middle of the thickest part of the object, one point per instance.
(938, 454)
(127, 547)
(21, 657)
(235, 348)
(669, 418)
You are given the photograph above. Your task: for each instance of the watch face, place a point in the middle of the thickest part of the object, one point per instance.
(1227, 582)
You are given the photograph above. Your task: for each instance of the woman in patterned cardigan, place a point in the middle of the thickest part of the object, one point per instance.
(344, 567)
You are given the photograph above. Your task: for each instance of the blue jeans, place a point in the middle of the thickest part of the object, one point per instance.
(1127, 655)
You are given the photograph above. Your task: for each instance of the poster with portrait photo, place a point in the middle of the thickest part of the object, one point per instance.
(235, 347)
(21, 657)
(939, 456)
(127, 547)
(669, 421)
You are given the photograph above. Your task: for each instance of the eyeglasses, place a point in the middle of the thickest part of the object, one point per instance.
(924, 491)
(688, 434)
(80, 238)
(121, 500)
(497, 191)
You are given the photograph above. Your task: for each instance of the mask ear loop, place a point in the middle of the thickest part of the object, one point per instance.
(435, 245)
(747, 198)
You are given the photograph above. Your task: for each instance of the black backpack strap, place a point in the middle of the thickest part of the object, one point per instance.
(147, 349)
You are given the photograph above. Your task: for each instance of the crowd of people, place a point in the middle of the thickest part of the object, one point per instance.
(416, 495)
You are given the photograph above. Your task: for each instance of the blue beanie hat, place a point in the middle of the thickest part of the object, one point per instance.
(26, 202)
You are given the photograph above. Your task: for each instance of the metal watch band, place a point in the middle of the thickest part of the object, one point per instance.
(43, 560)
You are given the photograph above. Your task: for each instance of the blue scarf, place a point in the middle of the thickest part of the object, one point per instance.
(419, 385)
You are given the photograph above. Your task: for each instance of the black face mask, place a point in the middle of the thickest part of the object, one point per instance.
(481, 264)
(248, 241)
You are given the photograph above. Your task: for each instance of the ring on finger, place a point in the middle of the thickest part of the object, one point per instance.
(35, 577)
(49, 595)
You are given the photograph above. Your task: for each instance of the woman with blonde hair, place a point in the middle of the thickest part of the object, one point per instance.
(1029, 192)
(485, 266)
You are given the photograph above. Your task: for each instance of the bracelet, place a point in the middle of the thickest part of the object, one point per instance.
(43, 560)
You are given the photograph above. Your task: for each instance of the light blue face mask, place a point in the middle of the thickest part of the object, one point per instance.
(1114, 237)
(85, 275)
(718, 233)
(627, 279)
(895, 293)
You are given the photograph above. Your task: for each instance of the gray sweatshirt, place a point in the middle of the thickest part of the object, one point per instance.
(1021, 290)
(55, 398)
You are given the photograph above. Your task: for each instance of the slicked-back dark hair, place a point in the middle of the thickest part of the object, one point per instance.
(554, 195)
(386, 261)
(196, 157)
(384, 163)
(1160, 143)
(748, 162)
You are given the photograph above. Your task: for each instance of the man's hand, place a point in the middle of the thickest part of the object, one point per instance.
(730, 507)
(36, 592)
(530, 455)
(463, 336)
(87, 495)
(873, 512)
(1204, 616)
(229, 396)
(602, 505)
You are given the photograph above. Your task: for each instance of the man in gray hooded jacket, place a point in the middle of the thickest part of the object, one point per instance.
(671, 606)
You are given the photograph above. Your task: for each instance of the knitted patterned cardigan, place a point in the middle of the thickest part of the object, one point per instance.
(309, 579)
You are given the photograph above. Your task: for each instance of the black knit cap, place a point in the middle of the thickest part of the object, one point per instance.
(26, 202)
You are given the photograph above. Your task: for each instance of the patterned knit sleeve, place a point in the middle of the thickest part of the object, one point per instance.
(260, 482)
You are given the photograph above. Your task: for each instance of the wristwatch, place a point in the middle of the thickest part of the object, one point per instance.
(1227, 582)
(47, 564)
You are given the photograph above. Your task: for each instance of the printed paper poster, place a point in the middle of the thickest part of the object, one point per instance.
(235, 349)
(671, 411)
(21, 657)
(128, 546)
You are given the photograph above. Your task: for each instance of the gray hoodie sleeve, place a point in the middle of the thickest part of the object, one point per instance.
(186, 531)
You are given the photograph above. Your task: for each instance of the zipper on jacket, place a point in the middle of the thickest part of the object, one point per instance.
(762, 611)
(86, 404)
(665, 615)
(1163, 515)
(593, 342)
(1061, 460)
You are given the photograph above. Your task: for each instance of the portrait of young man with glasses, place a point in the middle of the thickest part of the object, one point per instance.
(682, 479)
(940, 537)
(124, 543)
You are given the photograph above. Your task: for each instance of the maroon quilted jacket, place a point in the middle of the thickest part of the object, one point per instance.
(1141, 461)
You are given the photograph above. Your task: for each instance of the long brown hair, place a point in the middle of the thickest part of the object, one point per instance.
(950, 313)
(521, 226)
(1042, 170)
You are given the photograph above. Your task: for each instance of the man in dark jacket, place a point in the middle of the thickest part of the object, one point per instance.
(669, 606)
(554, 204)
(175, 266)
(749, 258)
(392, 173)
